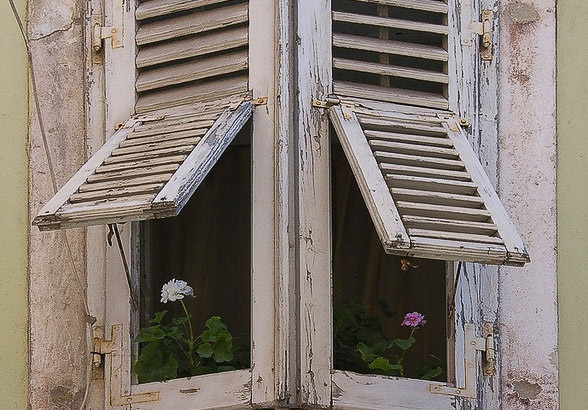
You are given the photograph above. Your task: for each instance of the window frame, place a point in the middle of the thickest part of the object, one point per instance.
(476, 294)
(243, 388)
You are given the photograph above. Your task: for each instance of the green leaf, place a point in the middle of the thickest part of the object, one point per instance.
(366, 352)
(384, 366)
(158, 317)
(215, 324)
(205, 350)
(431, 374)
(223, 348)
(405, 344)
(152, 365)
(150, 334)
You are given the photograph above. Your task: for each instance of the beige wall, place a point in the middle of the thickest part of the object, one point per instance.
(573, 201)
(13, 215)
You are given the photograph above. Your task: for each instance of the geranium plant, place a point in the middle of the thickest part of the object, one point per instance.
(169, 349)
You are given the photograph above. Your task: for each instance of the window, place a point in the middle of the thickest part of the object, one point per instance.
(369, 96)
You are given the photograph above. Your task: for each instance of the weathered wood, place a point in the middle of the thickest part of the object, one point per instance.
(200, 392)
(413, 149)
(155, 8)
(188, 177)
(438, 198)
(208, 91)
(416, 160)
(389, 22)
(424, 172)
(138, 180)
(188, 47)
(181, 135)
(445, 249)
(397, 95)
(432, 184)
(450, 225)
(434, 6)
(389, 46)
(164, 129)
(192, 70)
(114, 193)
(389, 70)
(184, 149)
(455, 236)
(114, 175)
(409, 138)
(353, 391)
(193, 23)
(135, 149)
(134, 165)
(369, 178)
(443, 211)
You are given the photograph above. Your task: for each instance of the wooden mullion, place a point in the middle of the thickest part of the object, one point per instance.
(384, 35)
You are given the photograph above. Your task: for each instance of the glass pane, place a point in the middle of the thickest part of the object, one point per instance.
(208, 245)
(373, 291)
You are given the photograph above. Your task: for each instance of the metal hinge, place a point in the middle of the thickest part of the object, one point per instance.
(114, 31)
(484, 29)
(472, 343)
(113, 348)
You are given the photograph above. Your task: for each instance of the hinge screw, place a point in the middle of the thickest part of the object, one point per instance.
(464, 122)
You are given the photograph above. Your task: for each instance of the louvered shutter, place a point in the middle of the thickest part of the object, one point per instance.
(391, 50)
(426, 191)
(148, 169)
(192, 100)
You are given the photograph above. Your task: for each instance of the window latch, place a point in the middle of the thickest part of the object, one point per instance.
(472, 344)
(484, 29)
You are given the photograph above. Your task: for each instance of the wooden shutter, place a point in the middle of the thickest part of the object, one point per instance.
(391, 50)
(425, 189)
(190, 51)
(148, 169)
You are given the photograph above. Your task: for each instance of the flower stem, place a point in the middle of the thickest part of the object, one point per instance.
(404, 351)
(191, 341)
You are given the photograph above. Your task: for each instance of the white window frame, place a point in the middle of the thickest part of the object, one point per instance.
(476, 293)
(112, 80)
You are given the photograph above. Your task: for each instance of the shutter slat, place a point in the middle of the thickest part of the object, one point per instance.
(395, 95)
(193, 46)
(192, 93)
(171, 126)
(138, 180)
(446, 249)
(390, 70)
(431, 184)
(437, 198)
(424, 172)
(133, 165)
(156, 145)
(412, 149)
(136, 172)
(115, 193)
(389, 22)
(156, 8)
(455, 236)
(416, 160)
(449, 225)
(443, 211)
(198, 132)
(415, 139)
(429, 128)
(425, 5)
(389, 46)
(190, 24)
(191, 71)
(186, 149)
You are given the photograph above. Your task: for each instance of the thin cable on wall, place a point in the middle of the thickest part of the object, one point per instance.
(35, 94)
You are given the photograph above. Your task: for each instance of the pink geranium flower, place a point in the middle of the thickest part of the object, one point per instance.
(414, 319)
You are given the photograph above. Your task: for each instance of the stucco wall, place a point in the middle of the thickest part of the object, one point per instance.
(14, 217)
(572, 201)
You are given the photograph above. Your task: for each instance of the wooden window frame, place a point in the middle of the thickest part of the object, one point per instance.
(112, 75)
(475, 295)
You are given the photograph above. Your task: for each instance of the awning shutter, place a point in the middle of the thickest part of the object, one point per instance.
(425, 189)
(148, 169)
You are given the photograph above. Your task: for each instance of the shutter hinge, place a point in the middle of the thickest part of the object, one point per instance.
(114, 32)
(484, 29)
(472, 343)
(113, 348)
(327, 103)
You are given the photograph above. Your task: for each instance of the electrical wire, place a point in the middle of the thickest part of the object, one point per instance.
(54, 185)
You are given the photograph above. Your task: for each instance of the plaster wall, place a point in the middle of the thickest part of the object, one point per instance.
(57, 286)
(14, 217)
(527, 169)
(572, 191)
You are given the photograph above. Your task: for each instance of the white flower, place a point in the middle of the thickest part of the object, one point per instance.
(175, 290)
